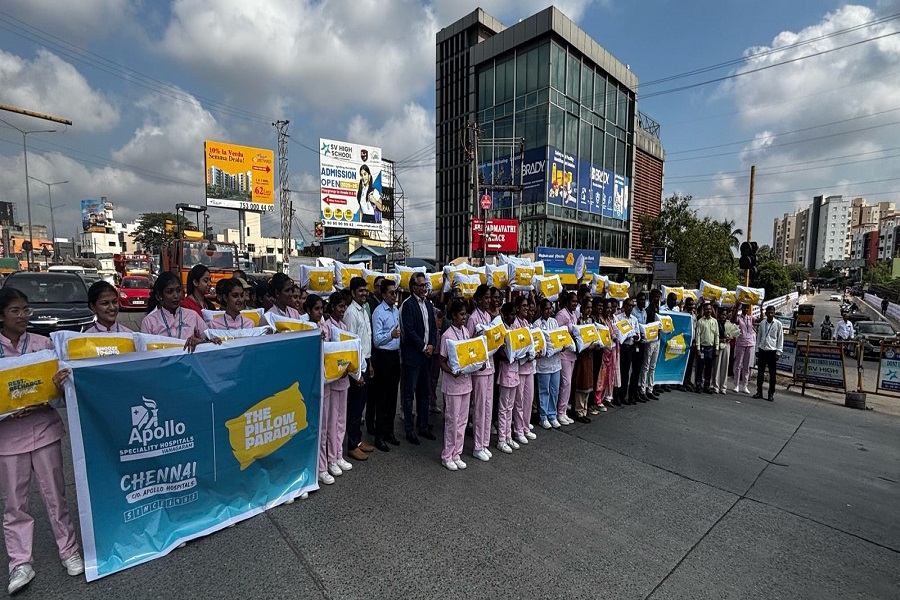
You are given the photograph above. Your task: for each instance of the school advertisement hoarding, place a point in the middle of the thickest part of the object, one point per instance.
(170, 446)
(351, 186)
(239, 177)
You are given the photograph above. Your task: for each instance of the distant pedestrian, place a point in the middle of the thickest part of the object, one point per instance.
(884, 306)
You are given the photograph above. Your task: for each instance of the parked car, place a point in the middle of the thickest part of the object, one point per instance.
(59, 300)
(835, 298)
(872, 334)
(134, 293)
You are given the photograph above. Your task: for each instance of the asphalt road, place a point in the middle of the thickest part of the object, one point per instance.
(694, 496)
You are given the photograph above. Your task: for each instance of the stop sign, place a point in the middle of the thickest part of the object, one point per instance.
(486, 202)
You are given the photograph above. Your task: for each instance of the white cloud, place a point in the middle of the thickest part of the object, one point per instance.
(326, 56)
(50, 85)
(842, 103)
(77, 20)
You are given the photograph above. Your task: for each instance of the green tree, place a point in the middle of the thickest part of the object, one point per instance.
(879, 274)
(151, 232)
(827, 271)
(797, 272)
(773, 276)
(702, 248)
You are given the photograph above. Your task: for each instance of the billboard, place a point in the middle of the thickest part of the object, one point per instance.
(351, 186)
(582, 185)
(502, 235)
(95, 214)
(7, 214)
(239, 177)
(504, 170)
(562, 260)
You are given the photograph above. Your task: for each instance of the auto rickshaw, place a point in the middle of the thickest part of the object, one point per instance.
(806, 314)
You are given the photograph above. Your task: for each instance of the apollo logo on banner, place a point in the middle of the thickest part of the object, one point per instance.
(149, 438)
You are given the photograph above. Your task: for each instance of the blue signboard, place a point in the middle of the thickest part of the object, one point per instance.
(505, 170)
(674, 349)
(584, 186)
(169, 446)
(563, 179)
(562, 260)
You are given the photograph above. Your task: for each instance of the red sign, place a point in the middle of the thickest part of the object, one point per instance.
(502, 235)
(486, 202)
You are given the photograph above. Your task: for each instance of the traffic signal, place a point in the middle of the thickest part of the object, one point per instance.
(748, 260)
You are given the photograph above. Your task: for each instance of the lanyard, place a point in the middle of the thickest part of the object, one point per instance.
(456, 333)
(24, 348)
(240, 316)
(162, 312)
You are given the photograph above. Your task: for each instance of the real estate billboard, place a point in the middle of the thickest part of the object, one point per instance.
(239, 177)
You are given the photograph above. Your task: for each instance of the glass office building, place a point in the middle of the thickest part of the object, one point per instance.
(556, 119)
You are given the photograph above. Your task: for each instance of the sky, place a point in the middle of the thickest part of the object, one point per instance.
(808, 91)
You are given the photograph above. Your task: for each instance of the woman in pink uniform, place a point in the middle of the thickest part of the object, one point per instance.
(565, 317)
(525, 389)
(199, 280)
(230, 294)
(743, 348)
(610, 375)
(281, 287)
(334, 402)
(457, 390)
(30, 441)
(165, 315)
(508, 381)
(482, 381)
(103, 300)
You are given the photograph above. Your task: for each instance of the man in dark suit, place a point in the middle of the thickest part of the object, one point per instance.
(418, 342)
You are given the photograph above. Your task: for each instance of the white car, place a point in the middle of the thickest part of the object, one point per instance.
(835, 297)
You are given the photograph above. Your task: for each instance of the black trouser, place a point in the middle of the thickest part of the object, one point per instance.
(706, 358)
(416, 377)
(384, 390)
(356, 404)
(626, 367)
(766, 359)
(690, 366)
(636, 363)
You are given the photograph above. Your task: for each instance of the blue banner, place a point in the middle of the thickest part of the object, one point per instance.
(562, 260)
(512, 170)
(674, 348)
(170, 446)
(563, 183)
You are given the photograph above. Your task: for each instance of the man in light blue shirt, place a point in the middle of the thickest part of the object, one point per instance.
(386, 359)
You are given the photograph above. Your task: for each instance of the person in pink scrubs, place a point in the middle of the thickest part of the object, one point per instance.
(281, 287)
(525, 390)
(103, 300)
(565, 317)
(508, 381)
(165, 315)
(457, 390)
(334, 401)
(230, 294)
(482, 381)
(30, 441)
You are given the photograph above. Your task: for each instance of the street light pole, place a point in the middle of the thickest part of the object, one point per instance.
(24, 133)
(52, 220)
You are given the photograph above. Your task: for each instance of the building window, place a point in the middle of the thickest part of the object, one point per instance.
(557, 67)
(573, 77)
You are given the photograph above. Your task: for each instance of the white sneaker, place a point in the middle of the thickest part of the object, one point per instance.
(504, 447)
(335, 470)
(512, 444)
(722, 391)
(745, 389)
(555, 423)
(343, 464)
(567, 421)
(450, 465)
(522, 440)
(74, 565)
(531, 435)
(19, 578)
(530, 426)
(546, 424)
(460, 464)
(489, 453)
(304, 495)
(326, 478)
(482, 455)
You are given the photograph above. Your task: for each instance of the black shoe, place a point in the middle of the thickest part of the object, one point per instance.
(707, 390)
(661, 388)
(771, 398)
(652, 395)
(615, 402)
(680, 388)
(641, 397)
(582, 419)
(392, 439)
(380, 445)
(426, 433)
(412, 438)
(689, 387)
(698, 390)
(758, 396)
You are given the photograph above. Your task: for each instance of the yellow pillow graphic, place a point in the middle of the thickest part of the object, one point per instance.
(267, 425)
(94, 346)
